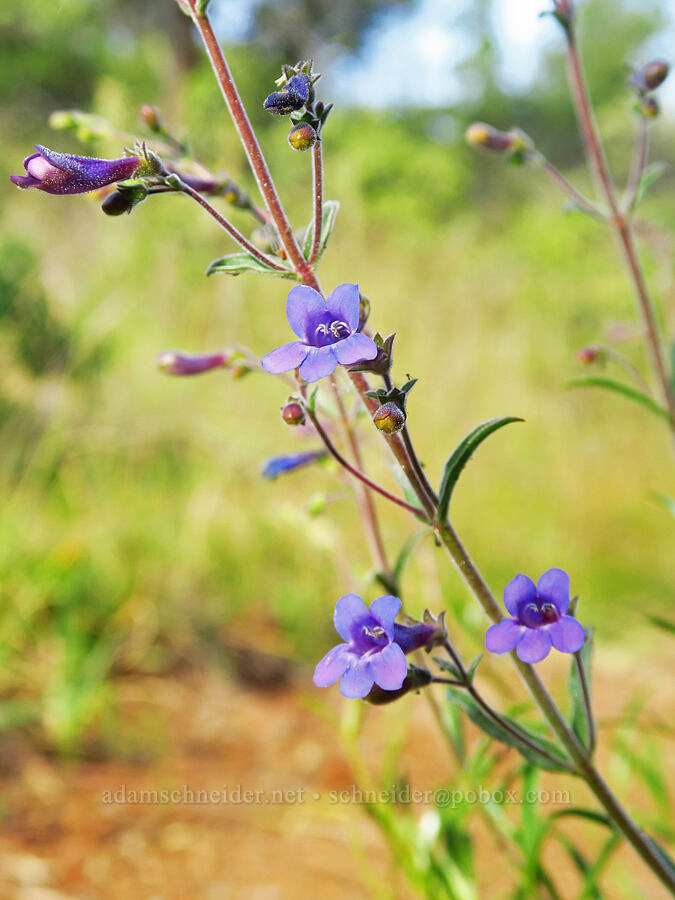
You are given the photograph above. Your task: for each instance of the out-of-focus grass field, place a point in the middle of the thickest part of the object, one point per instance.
(135, 526)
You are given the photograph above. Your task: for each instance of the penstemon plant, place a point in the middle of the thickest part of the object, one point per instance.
(379, 658)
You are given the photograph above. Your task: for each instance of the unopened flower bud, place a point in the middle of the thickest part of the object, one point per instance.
(651, 76)
(415, 679)
(481, 135)
(293, 414)
(300, 87)
(649, 107)
(586, 355)
(301, 137)
(175, 363)
(152, 117)
(123, 201)
(389, 418)
(421, 634)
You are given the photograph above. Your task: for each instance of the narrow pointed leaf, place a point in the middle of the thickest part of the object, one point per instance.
(579, 714)
(239, 263)
(619, 387)
(650, 176)
(553, 761)
(328, 216)
(460, 457)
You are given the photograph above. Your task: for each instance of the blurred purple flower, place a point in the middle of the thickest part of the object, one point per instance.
(327, 330)
(61, 173)
(369, 655)
(279, 465)
(540, 618)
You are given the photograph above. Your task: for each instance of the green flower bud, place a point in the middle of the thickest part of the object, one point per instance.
(389, 418)
(301, 137)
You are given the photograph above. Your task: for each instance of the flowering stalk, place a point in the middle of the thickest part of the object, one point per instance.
(619, 220)
(407, 458)
(638, 165)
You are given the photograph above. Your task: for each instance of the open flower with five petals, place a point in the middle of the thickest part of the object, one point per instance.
(327, 331)
(540, 619)
(370, 655)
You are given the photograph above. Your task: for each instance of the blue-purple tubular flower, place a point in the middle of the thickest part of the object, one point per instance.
(280, 465)
(61, 173)
(328, 333)
(540, 619)
(369, 655)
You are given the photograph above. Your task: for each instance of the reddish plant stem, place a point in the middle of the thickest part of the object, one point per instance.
(225, 224)
(317, 172)
(249, 141)
(365, 498)
(620, 223)
(335, 453)
(567, 187)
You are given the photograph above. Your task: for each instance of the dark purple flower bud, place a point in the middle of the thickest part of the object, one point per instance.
(280, 465)
(300, 87)
(61, 173)
(123, 201)
(281, 103)
(301, 137)
(415, 679)
(173, 362)
(414, 637)
(293, 414)
(539, 620)
(389, 418)
(651, 76)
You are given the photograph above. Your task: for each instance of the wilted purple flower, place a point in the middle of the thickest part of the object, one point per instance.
(539, 620)
(327, 330)
(61, 173)
(369, 655)
(279, 465)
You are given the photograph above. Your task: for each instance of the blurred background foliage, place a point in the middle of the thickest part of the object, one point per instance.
(135, 532)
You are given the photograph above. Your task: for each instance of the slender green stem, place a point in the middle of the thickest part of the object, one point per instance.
(567, 187)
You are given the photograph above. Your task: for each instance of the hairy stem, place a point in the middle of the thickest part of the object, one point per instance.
(620, 223)
(317, 173)
(224, 223)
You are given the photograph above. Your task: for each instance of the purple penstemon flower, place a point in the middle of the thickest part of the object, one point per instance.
(62, 173)
(540, 619)
(328, 332)
(375, 646)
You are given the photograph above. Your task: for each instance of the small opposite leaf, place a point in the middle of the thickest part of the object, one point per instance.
(651, 174)
(553, 761)
(460, 457)
(473, 666)
(238, 263)
(578, 713)
(620, 388)
(329, 214)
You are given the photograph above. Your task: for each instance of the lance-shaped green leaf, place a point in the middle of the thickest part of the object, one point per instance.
(514, 735)
(619, 387)
(579, 686)
(650, 176)
(329, 213)
(239, 263)
(460, 457)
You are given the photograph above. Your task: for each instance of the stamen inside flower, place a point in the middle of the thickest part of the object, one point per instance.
(374, 632)
(329, 333)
